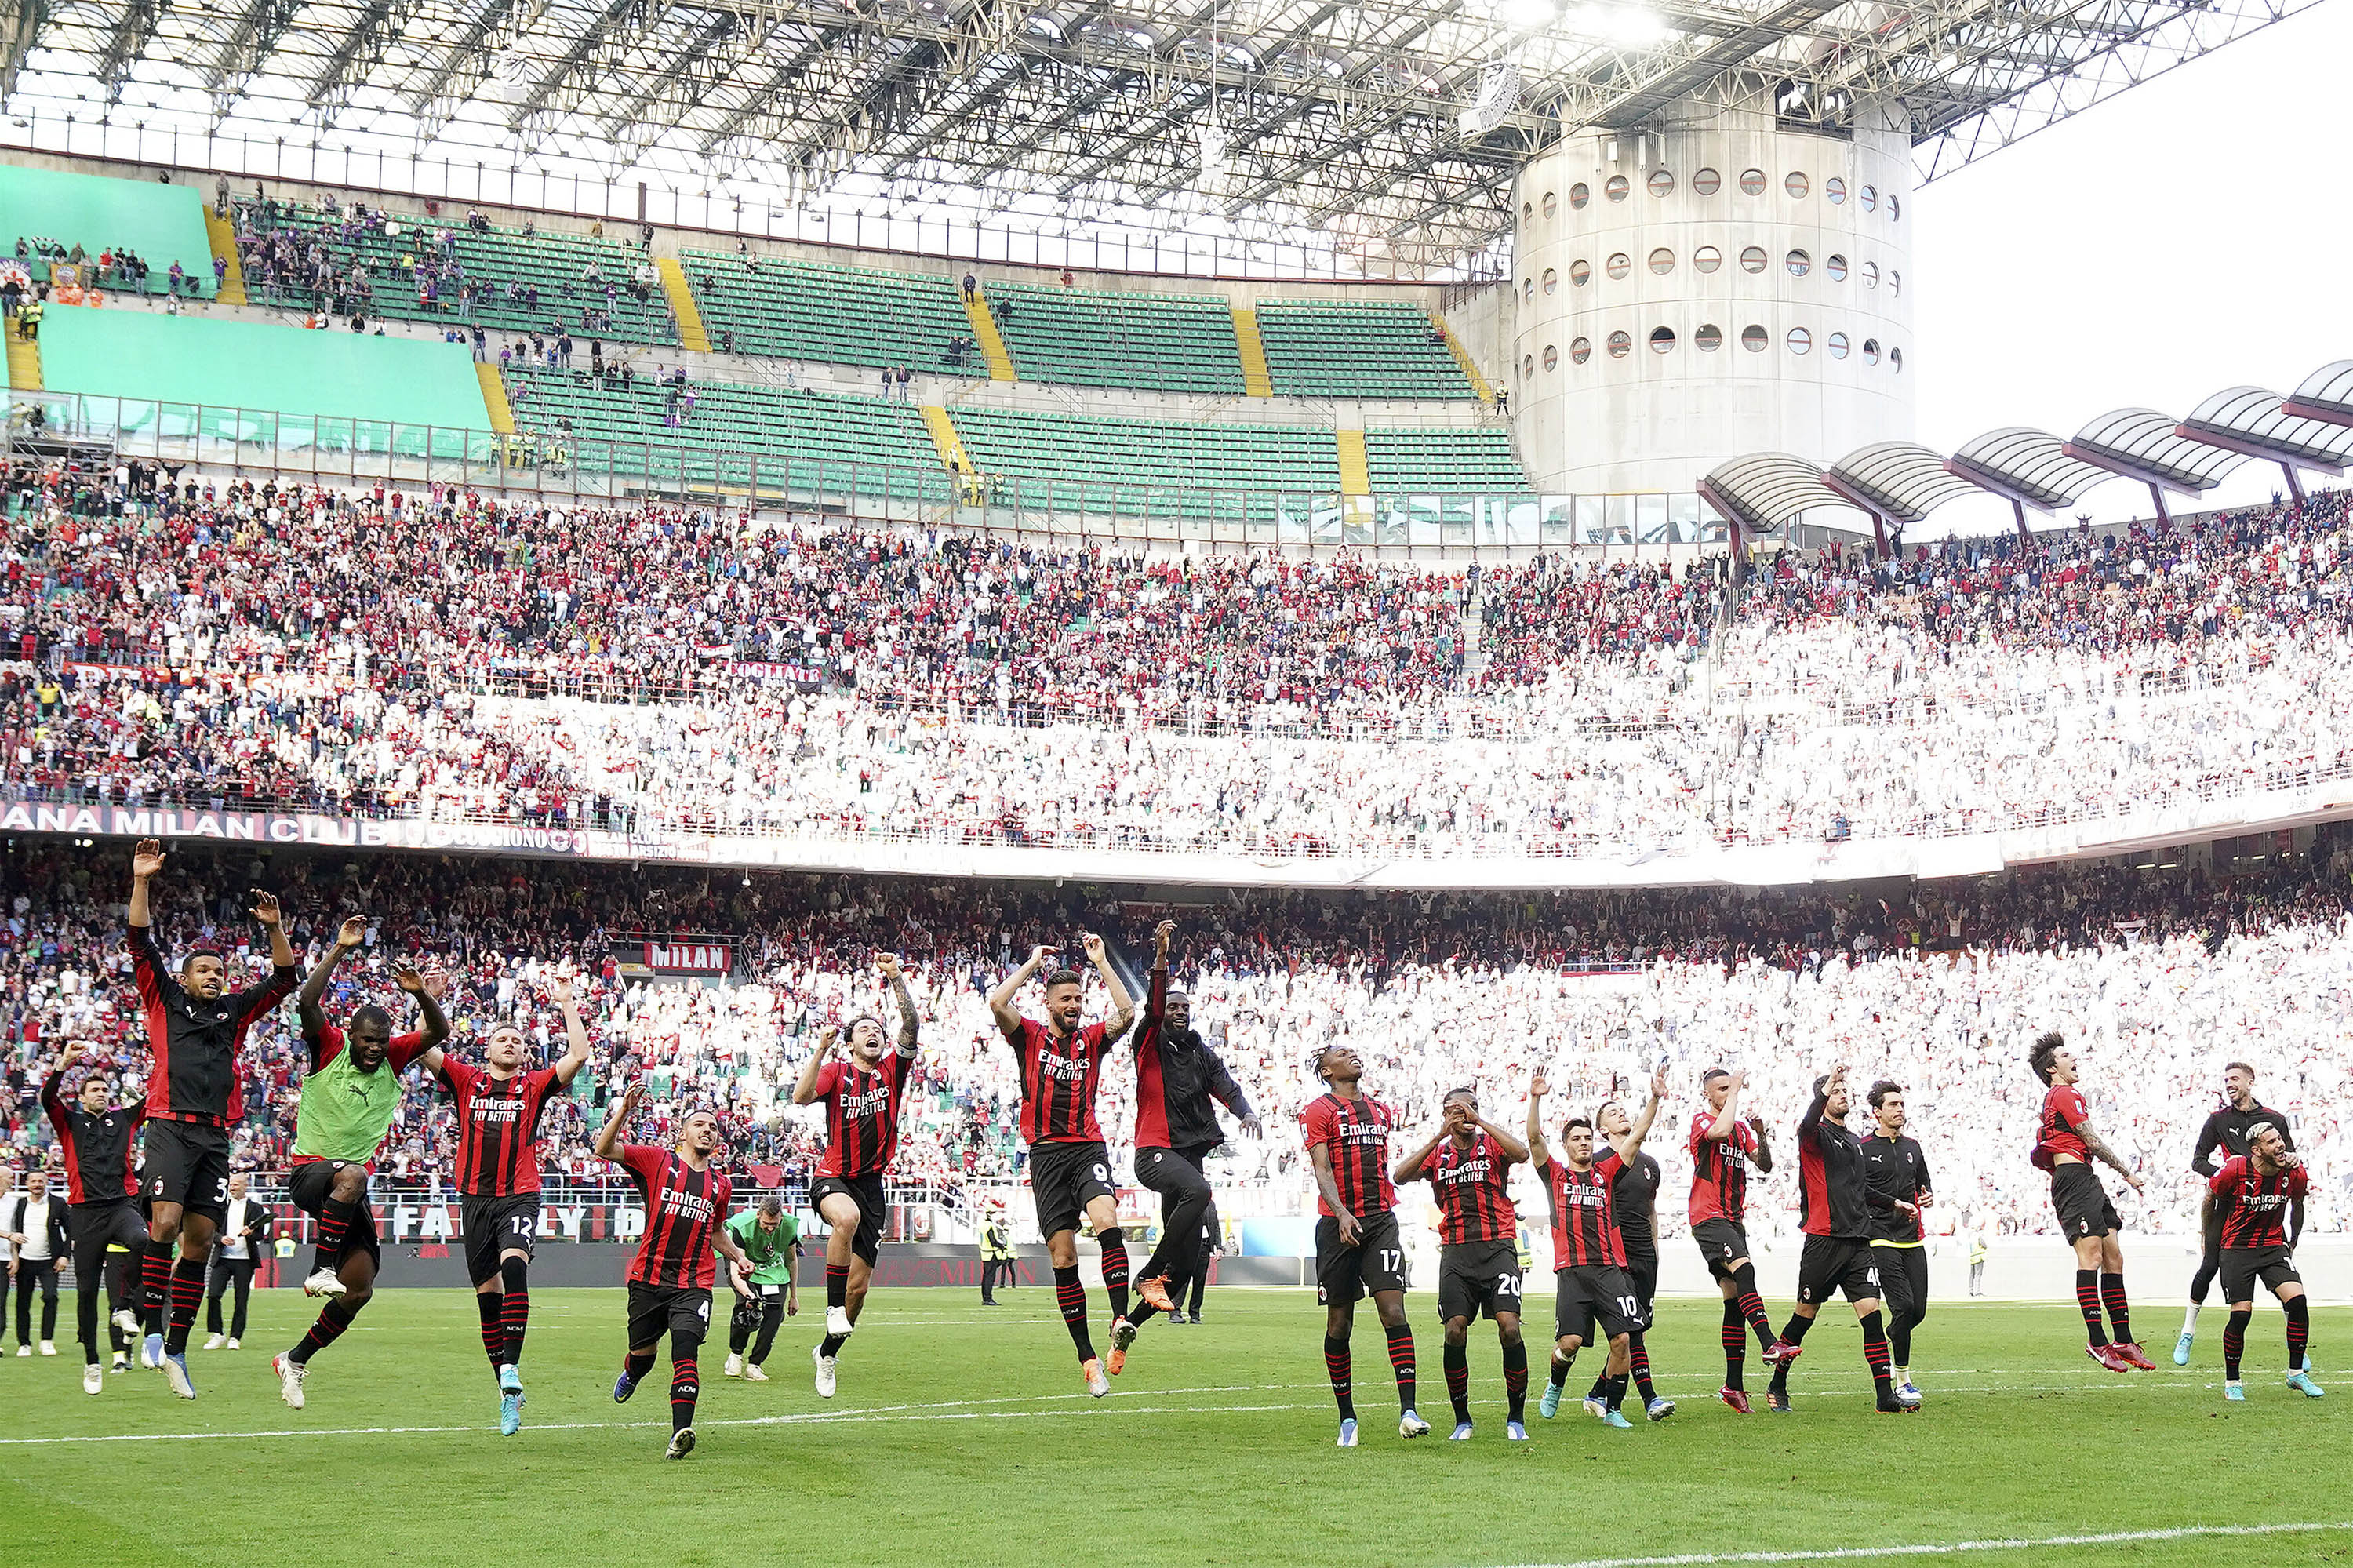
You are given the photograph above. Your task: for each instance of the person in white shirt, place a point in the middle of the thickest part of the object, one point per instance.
(34, 1224)
(243, 1235)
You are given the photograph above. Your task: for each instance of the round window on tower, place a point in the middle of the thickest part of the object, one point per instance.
(1552, 356)
(1894, 281)
(1579, 271)
(1796, 185)
(1752, 182)
(1871, 198)
(1707, 258)
(1835, 189)
(1835, 265)
(1529, 289)
(1662, 183)
(1527, 366)
(1754, 339)
(1621, 264)
(1579, 194)
(1663, 261)
(1800, 341)
(1836, 343)
(1895, 360)
(1871, 351)
(1798, 263)
(1708, 182)
(1708, 339)
(1617, 187)
(1895, 206)
(1870, 274)
(1662, 340)
(1552, 279)
(1552, 204)
(1580, 351)
(1527, 212)
(1620, 344)
(1752, 258)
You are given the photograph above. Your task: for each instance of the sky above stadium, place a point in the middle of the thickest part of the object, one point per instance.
(2191, 235)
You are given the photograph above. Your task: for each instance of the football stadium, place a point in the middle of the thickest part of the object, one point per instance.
(1134, 780)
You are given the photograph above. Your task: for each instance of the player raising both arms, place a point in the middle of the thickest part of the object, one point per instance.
(1358, 1252)
(197, 1029)
(1591, 1292)
(1634, 1199)
(349, 1099)
(2261, 1196)
(1896, 1168)
(1834, 1207)
(498, 1106)
(1468, 1164)
(101, 1193)
(1723, 1147)
(2064, 1145)
(861, 1096)
(2225, 1130)
(1070, 1167)
(669, 1280)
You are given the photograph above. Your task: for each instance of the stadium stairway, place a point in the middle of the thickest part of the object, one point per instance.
(991, 341)
(1256, 383)
(682, 308)
(23, 364)
(1462, 357)
(222, 233)
(953, 457)
(1355, 479)
(494, 399)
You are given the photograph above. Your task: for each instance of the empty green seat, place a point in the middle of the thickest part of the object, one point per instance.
(1340, 349)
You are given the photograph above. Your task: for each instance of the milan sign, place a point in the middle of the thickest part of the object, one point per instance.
(690, 957)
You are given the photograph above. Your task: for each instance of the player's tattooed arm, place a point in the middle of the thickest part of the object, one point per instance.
(1328, 1186)
(1762, 1155)
(2098, 1150)
(910, 1023)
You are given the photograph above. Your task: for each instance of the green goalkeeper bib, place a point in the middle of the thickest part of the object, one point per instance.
(344, 1113)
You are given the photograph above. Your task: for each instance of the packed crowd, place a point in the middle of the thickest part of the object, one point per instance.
(2160, 975)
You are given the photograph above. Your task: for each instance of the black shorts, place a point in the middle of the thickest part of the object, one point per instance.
(684, 1313)
(1593, 1294)
(1829, 1265)
(2243, 1265)
(1903, 1278)
(866, 1192)
(1642, 1274)
(492, 1225)
(2082, 1203)
(1722, 1243)
(1064, 1178)
(1478, 1279)
(187, 1164)
(1344, 1273)
(307, 1189)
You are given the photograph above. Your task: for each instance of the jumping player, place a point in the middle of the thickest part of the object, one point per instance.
(2064, 1145)
(1468, 1164)
(1178, 1081)
(1070, 1166)
(498, 1106)
(1634, 1198)
(2226, 1130)
(1357, 1250)
(349, 1099)
(1896, 1168)
(101, 1190)
(670, 1277)
(1722, 1147)
(2261, 1196)
(1834, 1206)
(862, 1096)
(196, 1029)
(1591, 1291)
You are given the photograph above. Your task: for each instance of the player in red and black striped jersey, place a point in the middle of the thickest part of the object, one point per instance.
(862, 1096)
(1357, 1250)
(1591, 1288)
(687, 1197)
(497, 1108)
(1468, 1164)
(100, 1187)
(1723, 1146)
(2065, 1145)
(1069, 1165)
(196, 1029)
(2260, 1195)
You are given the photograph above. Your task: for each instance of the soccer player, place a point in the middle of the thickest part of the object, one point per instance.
(1357, 1250)
(2261, 1196)
(2064, 1145)
(670, 1277)
(1896, 1168)
(2226, 1130)
(1590, 1289)
(1070, 1167)
(498, 1106)
(1834, 1206)
(348, 1101)
(100, 1190)
(197, 1029)
(1722, 1147)
(1179, 1080)
(862, 1096)
(1634, 1198)
(771, 1238)
(1468, 1164)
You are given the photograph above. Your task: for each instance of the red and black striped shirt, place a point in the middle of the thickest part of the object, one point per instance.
(100, 1164)
(2255, 1206)
(1473, 1190)
(1357, 1132)
(1584, 1216)
(1719, 1188)
(1058, 1083)
(685, 1207)
(861, 1114)
(196, 1044)
(497, 1128)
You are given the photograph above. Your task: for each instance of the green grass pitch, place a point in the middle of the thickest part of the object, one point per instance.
(962, 1436)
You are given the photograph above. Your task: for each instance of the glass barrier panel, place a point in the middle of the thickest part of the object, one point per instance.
(1651, 519)
(1618, 519)
(1590, 527)
(1523, 519)
(1683, 517)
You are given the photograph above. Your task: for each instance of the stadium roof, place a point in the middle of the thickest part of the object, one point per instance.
(1266, 117)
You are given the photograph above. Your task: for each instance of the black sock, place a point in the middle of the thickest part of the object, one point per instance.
(1515, 1378)
(1616, 1397)
(1735, 1338)
(1557, 1373)
(489, 1308)
(2299, 1332)
(829, 1346)
(837, 1285)
(1874, 1355)
(1335, 1367)
(685, 1386)
(1072, 1298)
(514, 1304)
(2234, 1343)
(1401, 1363)
(1457, 1359)
(636, 1364)
(1114, 1243)
(2087, 1302)
(1600, 1382)
(1641, 1369)
(2112, 1296)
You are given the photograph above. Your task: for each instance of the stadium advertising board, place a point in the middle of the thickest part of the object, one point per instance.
(687, 957)
(286, 828)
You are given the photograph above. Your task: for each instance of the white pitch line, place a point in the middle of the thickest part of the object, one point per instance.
(1946, 1548)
